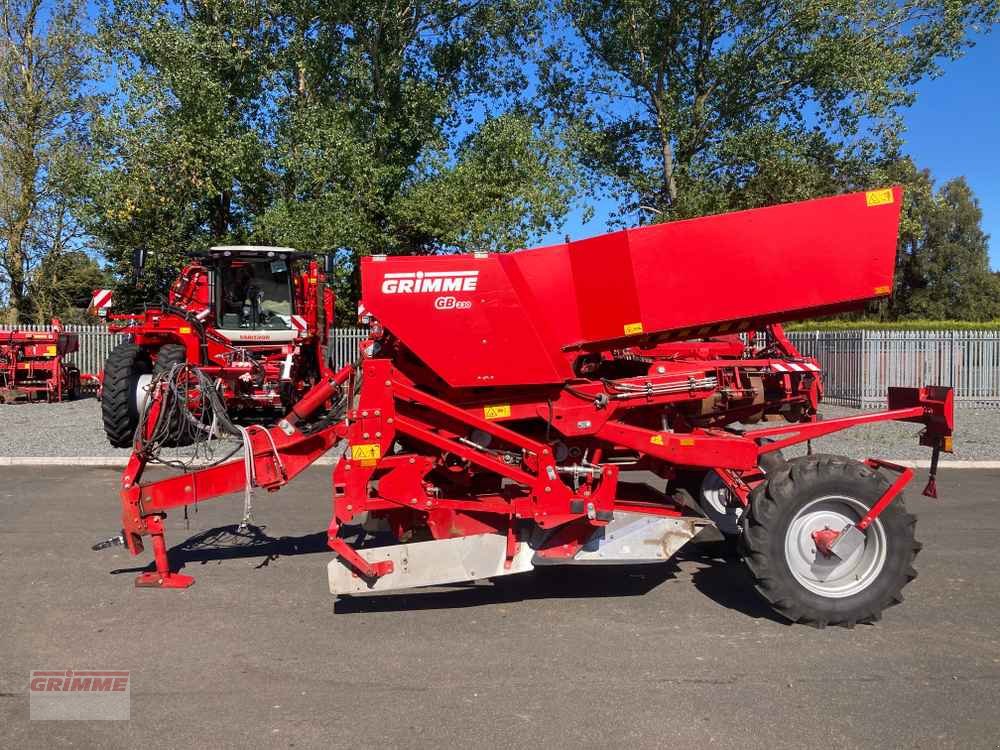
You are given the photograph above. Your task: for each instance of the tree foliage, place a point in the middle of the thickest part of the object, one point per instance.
(403, 127)
(44, 111)
(942, 267)
(693, 107)
(330, 126)
(62, 284)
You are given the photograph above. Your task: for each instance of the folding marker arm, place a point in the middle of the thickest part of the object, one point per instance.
(277, 456)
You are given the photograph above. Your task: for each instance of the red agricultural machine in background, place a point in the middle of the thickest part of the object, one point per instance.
(33, 365)
(504, 405)
(254, 319)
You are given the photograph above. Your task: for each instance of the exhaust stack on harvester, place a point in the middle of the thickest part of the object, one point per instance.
(499, 398)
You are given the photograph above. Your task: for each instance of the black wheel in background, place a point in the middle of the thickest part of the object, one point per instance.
(122, 370)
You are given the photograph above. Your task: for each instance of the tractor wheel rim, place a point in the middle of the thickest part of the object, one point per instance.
(830, 576)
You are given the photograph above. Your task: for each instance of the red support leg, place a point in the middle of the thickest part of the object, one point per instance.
(162, 578)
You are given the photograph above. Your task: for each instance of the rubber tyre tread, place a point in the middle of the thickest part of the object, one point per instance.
(125, 363)
(773, 505)
(168, 356)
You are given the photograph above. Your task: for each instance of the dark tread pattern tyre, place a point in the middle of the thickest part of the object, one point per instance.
(121, 371)
(776, 503)
(168, 356)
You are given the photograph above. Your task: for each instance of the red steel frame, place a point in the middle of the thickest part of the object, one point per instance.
(473, 411)
(391, 407)
(253, 381)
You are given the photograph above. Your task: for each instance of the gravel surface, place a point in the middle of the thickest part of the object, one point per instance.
(74, 429)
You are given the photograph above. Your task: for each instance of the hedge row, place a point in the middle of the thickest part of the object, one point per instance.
(901, 325)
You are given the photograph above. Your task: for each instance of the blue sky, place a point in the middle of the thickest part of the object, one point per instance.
(953, 129)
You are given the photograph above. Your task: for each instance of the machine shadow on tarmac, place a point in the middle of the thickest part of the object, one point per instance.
(715, 577)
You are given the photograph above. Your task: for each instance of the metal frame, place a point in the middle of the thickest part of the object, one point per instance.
(33, 363)
(501, 420)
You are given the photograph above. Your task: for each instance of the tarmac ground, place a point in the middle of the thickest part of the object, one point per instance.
(257, 652)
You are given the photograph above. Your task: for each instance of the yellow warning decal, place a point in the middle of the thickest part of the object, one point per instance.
(686, 442)
(656, 440)
(50, 351)
(500, 411)
(633, 328)
(879, 197)
(883, 289)
(366, 452)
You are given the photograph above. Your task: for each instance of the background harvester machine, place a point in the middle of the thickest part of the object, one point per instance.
(502, 402)
(33, 365)
(253, 319)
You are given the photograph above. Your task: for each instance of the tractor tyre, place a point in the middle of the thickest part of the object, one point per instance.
(74, 389)
(168, 356)
(119, 408)
(810, 494)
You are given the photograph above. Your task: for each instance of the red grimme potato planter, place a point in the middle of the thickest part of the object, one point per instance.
(501, 404)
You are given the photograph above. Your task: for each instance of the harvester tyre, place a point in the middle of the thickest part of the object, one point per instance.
(797, 580)
(168, 356)
(126, 363)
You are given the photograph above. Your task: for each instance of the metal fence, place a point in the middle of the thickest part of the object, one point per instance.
(858, 365)
(344, 345)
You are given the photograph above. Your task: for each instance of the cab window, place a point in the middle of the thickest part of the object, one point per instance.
(256, 295)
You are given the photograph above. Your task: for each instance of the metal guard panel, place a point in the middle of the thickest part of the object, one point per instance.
(464, 317)
(687, 279)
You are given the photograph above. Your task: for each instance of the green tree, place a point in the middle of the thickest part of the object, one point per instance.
(685, 108)
(45, 72)
(943, 269)
(182, 148)
(62, 284)
(339, 127)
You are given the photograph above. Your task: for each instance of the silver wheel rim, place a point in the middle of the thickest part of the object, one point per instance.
(830, 576)
(717, 502)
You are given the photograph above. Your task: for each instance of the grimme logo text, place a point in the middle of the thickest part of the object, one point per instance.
(81, 681)
(430, 281)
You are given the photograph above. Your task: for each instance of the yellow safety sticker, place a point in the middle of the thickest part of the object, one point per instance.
(883, 289)
(500, 411)
(50, 351)
(633, 328)
(184, 329)
(879, 197)
(686, 442)
(656, 440)
(366, 453)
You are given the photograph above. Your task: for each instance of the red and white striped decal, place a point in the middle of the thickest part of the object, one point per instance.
(299, 324)
(794, 367)
(100, 301)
